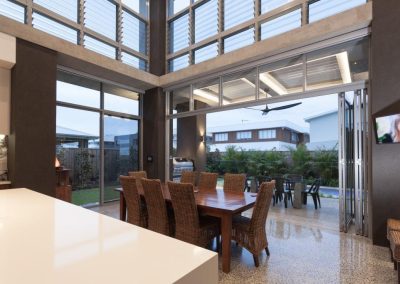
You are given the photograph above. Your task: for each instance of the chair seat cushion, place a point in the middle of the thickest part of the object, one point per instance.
(392, 225)
(394, 237)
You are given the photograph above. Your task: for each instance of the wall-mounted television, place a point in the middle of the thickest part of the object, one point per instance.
(388, 129)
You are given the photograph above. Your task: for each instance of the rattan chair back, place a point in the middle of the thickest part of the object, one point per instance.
(261, 207)
(138, 174)
(136, 211)
(188, 177)
(156, 206)
(207, 181)
(234, 182)
(185, 211)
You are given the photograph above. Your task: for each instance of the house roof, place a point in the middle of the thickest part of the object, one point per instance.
(68, 132)
(259, 125)
(321, 114)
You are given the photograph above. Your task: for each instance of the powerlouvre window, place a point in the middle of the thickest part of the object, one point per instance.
(175, 6)
(221, 137)
(99, 47)
(178, 63)
(237, 12)
(13, 11)
(101, 17)
(320, 9)
(269, 5)
(206, 20)
(134, 61)
(281, 24)
(65, 8)
(134, 32)
(206, 52)
(243, 135)
(179, 33)
(47, 25)
(139, 6)
(239, 40)
(267, 134)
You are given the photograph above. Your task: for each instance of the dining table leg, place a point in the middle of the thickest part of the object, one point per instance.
(122, 206)
(226, 233)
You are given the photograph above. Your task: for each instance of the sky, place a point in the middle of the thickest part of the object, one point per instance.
(309, 107)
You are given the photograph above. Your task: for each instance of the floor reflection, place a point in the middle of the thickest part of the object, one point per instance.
(306, 247)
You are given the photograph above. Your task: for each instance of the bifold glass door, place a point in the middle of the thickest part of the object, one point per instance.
(353, 183)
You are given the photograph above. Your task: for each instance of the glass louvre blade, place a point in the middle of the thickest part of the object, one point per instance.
(49, 26)
(206, 20)
(101, 17)
(134, 32)
(281, 24)
(239, 40)
(237, 12)
(12, 11)
(65, 8)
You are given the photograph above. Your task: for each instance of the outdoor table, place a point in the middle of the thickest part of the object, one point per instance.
(217, 203)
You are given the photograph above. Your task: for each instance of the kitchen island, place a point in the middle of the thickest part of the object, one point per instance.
(46, 240)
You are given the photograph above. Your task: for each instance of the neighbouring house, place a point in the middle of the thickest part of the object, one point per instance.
(262, 136)
(323, 130)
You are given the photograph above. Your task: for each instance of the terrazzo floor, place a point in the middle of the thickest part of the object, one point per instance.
(306, 247)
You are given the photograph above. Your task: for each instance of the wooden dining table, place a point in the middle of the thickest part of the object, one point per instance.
(217, 203)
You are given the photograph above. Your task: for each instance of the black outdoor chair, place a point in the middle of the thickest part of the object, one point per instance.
(280, 191)
(289, 187)
(314, 192)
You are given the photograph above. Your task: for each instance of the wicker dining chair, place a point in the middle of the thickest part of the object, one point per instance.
(208, 181)
(250, 232)
(138, 174)
(189, 226)
(234, 182)
(188, 177)
(160, 220)
(136, 208)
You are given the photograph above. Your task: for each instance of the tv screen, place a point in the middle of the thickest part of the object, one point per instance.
(388, 129)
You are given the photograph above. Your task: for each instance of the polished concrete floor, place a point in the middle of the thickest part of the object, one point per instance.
(306, 247)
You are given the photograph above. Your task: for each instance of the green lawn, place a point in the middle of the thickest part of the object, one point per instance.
(92, 195)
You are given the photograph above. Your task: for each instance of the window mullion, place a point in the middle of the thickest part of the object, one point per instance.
(119, 30)
(81, 20)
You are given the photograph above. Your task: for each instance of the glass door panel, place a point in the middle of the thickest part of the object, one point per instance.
(121, 152)
(77, 149)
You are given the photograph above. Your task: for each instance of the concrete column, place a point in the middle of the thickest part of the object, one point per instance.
(154, 107)
(190, 131)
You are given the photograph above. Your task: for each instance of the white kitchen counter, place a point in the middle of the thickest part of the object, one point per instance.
(44, 240)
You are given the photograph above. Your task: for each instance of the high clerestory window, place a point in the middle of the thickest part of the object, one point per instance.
(116, 29)
(200, 30)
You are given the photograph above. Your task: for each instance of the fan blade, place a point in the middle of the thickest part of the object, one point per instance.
(285, 106)
(254, 108)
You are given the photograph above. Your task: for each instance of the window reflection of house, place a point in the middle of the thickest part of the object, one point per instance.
(70, 138)
(126, 143)
(266, 135)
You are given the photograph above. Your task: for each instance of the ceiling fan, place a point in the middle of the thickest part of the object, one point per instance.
(267, 109)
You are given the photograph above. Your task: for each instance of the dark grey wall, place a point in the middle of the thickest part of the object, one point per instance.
(33, 113)
(384, 99)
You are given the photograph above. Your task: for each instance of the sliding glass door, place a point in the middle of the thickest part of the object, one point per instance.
(98, 136)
